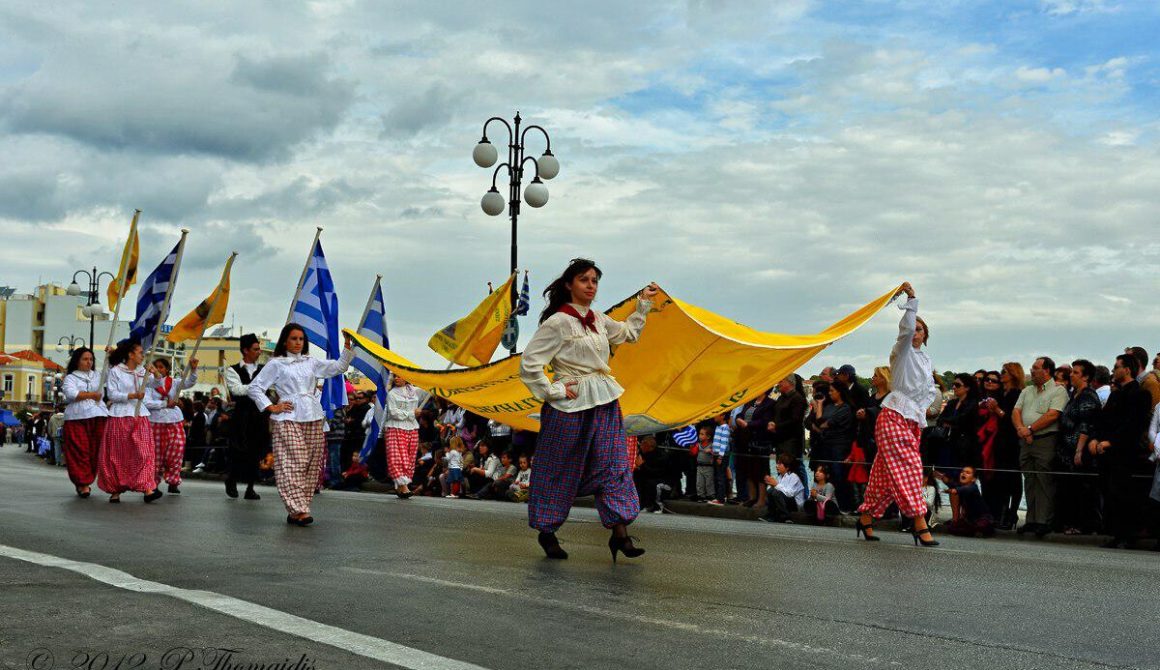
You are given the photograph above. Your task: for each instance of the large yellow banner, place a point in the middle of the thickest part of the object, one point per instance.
(689, 365)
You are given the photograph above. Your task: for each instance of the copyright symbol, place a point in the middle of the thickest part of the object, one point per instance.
(40, 659)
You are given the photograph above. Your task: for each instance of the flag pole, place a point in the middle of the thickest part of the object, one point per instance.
(120, 299)
(305, 269)
(363, 319)
(164, 312)
(212, 305)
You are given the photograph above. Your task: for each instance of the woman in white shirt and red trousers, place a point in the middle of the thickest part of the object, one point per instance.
(582, 449)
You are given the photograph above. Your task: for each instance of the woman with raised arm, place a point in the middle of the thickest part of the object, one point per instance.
(582, 447)
(167, 422)
(84, 419)
(896, 475)
(296, 416)
(126, 461)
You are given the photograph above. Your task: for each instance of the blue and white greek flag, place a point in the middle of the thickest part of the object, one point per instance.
(151, 300)
(685, 437)
(525, 301)
(316, 310)
(373, 326)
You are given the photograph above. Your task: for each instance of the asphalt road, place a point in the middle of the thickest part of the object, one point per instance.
(442, 584)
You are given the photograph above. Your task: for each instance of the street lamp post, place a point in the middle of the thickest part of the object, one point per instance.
(72, 341)
(92, 308)
(536, 194)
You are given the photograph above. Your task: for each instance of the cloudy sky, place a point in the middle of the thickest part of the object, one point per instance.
(778, 163)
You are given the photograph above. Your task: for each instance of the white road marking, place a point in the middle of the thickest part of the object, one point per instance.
(602, 613)
(277, 620)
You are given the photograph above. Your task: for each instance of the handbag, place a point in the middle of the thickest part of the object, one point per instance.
(940, 432)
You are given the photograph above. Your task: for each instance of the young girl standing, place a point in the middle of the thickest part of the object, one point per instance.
(84, 419)
(582, 447)
(167, 422)
(402, 427)
(296, 417)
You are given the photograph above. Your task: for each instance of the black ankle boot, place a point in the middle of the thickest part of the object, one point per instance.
(623, 545)
(551, 546)
(231, 488)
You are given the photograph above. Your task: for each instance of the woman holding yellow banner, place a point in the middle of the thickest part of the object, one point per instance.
(582, 447)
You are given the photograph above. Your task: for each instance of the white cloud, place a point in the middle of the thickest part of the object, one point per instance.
(1068, 7)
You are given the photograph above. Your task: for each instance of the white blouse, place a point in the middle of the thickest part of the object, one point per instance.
(74, 384)
(579, 355)
(912, 388)
(123, 381)
(155, 400)
(294, 378)
(402, 401)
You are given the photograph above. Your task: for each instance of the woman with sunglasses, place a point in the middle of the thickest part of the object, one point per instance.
(960, 421)
(1005, 490)
(582, 447)
(896, 476)
(991, 415)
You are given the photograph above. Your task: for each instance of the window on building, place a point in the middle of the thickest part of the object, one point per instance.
(9, 382)
(31, 386)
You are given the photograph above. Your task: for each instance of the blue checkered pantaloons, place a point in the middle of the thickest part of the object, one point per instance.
(581, 453)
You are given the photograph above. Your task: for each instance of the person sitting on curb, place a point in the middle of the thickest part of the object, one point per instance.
(785, 494)
(820, 504)
(969, 513)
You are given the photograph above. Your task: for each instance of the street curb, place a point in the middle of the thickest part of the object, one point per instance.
(739, 513)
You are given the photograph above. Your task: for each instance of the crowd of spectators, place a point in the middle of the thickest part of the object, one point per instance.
(1075, 444)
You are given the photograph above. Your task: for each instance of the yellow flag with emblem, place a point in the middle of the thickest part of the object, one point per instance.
(472, 340)
(127, 273)
(210, 312)
(688, 366)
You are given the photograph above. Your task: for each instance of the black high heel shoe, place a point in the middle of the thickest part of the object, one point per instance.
(623, 545)
(861, 528)
(918, 538)
(551, 546)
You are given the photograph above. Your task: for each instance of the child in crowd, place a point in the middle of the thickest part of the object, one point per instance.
(354, 476)
(497, 490)
(858, 473)
(453, 462)
(705, 465)
(520, 487)
(970, 515)
(722, 436)
(820, 505)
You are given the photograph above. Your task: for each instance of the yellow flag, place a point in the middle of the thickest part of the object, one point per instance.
(210, 312)
(127, 273)
(472, 340)
(688, 366)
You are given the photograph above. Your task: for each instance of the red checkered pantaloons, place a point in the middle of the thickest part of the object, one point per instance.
(299, 447)
(126, 461)
(402, 448)
(168, 451)
(896, 475)
(82, 445)
(581, 453)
